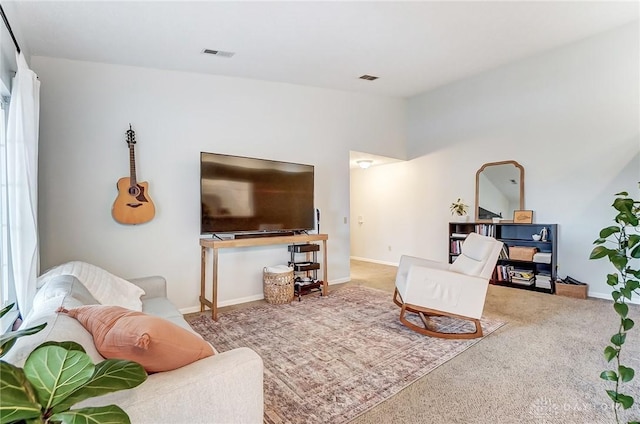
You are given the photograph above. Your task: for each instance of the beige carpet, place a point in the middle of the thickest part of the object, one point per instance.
(328, 359)
(541, 368)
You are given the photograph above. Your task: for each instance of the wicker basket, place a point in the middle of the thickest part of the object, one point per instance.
(278, 286)
(521, 253)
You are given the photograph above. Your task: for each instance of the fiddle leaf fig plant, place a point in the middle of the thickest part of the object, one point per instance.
(56, 376)
(620, 243)
(8, 339)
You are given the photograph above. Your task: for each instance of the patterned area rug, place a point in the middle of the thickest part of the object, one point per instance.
(329, 359)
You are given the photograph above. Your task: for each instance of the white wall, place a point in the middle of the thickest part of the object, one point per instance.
(86, 108)
(569, 116)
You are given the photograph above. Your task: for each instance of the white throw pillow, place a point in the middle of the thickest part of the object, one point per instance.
(105, 287)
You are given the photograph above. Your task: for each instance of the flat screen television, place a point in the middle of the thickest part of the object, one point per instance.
(250, 195)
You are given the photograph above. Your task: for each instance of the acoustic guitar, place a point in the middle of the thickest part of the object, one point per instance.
(133, 204)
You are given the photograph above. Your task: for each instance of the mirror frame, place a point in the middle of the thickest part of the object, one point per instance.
(504, 162)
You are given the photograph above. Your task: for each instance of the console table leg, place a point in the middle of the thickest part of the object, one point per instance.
(325, 278)
(214, 301)
(203, 263)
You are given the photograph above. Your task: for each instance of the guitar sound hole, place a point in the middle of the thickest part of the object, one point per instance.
(134, 191)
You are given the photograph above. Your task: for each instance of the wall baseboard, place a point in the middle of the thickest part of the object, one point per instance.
(607, 296)
(375, 261)
(193, 309)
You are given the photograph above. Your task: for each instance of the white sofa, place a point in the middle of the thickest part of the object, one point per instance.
(224, 388)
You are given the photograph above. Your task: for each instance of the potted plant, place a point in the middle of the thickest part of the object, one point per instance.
(56, 376)
(620, 244)
(459, 210)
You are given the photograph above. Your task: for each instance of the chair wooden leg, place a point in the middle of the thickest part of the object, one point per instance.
(426, 321)
(396, 295)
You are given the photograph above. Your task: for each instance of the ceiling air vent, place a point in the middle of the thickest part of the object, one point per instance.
(218, 53)
(368, 77)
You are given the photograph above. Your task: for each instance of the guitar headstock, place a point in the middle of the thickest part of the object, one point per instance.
(131, 136)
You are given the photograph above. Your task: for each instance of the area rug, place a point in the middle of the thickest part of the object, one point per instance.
(329, 359)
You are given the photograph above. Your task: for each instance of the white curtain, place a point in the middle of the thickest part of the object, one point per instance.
(22, 182)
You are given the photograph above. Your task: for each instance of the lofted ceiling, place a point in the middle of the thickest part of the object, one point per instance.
(411, 46)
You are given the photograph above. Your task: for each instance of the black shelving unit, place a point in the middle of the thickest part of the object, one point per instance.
(306, 271)
(514, 235)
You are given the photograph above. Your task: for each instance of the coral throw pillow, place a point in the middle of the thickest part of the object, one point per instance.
(153, 342)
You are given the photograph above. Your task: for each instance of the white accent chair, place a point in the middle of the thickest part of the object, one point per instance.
(457, 290)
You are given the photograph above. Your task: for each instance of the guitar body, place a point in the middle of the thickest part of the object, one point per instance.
(133, 204)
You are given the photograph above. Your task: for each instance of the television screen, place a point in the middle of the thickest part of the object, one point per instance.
(240, 194)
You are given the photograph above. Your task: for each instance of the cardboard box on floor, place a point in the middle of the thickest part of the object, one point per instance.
(572, 290)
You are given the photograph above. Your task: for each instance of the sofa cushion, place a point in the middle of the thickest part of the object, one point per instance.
(105, 287)
(153, 342)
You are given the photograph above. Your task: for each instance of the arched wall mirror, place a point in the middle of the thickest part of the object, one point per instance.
(499, 190)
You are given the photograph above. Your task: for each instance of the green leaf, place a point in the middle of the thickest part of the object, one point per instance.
(635, 252)
(627, 324)
(612, 279)
(600, 252)
(616, 295)
(610, 352)
(609, 375)
(625, 401)
(56, 373)
(618, 339)
(622, 309)
(8, 339)
(69, 345)
(110, 414)
(606, 232)
(626, 374)
(19, 400)
(109, 376)
(613, 395)
(6, 309)
(622, 193)
(599, 241)
(618, 260)
(634, 239)
(626, 292)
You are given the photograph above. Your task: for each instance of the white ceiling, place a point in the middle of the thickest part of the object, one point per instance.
(412, 46)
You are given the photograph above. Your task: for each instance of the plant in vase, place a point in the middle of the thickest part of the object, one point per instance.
(624, 240)
(459, 210)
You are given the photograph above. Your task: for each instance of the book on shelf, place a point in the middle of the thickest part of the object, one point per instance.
(486, 230)
(521, 274)
(523, 281)
(543, 283)
(459, 235)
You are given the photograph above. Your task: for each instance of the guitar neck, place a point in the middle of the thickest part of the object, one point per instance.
(132, 166)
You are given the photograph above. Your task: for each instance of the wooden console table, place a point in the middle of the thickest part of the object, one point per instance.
(248, 242)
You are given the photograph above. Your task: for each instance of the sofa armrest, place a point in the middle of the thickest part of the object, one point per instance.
(445, 291)
(155, 286)
(223, 388)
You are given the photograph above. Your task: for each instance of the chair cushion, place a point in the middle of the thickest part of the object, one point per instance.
(475, 251)
(153, 342)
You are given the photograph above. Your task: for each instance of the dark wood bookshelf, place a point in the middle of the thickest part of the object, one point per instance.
(513, 235)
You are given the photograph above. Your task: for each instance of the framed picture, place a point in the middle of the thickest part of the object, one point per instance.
(523, 217)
